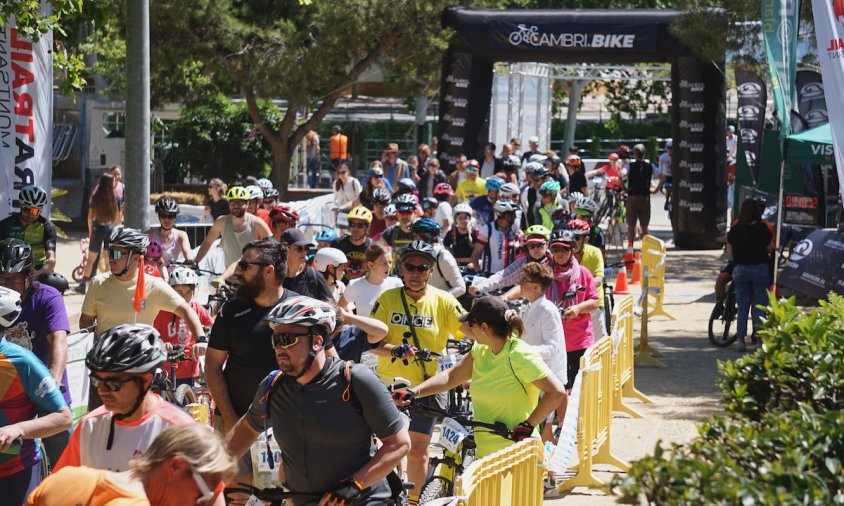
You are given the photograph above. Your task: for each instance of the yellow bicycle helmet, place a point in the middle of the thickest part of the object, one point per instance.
(237, 193)
(360, 213)
(538, 230)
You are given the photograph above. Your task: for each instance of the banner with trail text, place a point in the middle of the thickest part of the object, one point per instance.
(752, 97)
(829, 29)
(811, 100)
(780, 19)
(26, 113)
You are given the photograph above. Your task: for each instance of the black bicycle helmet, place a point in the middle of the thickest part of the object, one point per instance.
(15, 256)
(420, 248)
(130, 238)
(130, 348)
(381, 196)
(55, 280)
(563, 236)
(166, 205)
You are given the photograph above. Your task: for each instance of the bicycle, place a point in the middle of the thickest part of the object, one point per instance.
(459, 399)
(164, 384)
(609, 298)
(79, 272)
(722, 317)
(276, 496)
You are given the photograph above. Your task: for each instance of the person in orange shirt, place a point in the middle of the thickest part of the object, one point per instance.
(185, 464)
(339, 147)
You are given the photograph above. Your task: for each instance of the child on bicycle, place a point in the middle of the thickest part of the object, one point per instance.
(174, 331)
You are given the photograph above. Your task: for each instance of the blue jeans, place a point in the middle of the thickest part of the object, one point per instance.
(751, 282)
(313, 172)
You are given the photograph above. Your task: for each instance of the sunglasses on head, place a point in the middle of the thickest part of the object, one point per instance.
(286, 340)
(416, 267)
(166, 216)
(559, 248)
(244, 265)
(112, 385)
(116, 254)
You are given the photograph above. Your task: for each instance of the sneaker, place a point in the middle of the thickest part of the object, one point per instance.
(81, 288)
(742, 346)
(665, 207)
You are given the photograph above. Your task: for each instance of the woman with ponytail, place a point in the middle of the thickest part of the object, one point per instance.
(507, 376)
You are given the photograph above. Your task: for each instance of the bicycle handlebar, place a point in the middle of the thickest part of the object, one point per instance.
(497, 428)
(275, 495)
(461, 346)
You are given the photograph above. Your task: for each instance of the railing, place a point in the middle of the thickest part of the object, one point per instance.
(512, 476)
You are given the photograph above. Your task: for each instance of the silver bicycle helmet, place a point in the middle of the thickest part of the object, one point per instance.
(130, 348)
(130, 238)
(303, 311)
(166, 205)
(15, 256)
(32, 197)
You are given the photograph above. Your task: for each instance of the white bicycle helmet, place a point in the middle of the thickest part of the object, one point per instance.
(575, 196)
(329, 256)
(537, 158)
(183, 276)
(10, 307)
(532, 167)
(264, 183)
(508, 189)
(130, 238)
(303, 311)
(255, 192)
(32, 197)
(586, 204)
(390, 210)
(463, 207)
(504, 206)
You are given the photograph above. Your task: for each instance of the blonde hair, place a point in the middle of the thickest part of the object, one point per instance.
(203, 449)
(220, 185)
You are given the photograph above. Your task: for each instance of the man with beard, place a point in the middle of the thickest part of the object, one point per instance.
(354, 244)
(240, 340)
(235, 229)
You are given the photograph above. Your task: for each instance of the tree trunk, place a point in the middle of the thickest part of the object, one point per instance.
(282, 159)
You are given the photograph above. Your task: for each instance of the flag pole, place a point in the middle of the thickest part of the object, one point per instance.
(779, 212)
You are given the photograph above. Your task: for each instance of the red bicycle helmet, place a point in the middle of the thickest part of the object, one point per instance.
(579, 227)
(284, 214)
(154, 251)
(624, 151)
(444, 189)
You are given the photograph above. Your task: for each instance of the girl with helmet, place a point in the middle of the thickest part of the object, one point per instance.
(174, 331)
(549, 192)
(153, 265)
(174, 243)
(592, 258)
(282, 217)
(461, 239)
(325, 237)
(447, 274)
(577, 175)
(331, 263)
(380, 200)
(270, 199)
(498, 241)
(585, 208)
(253, 205)
(122, 366)
(536, 243)
(482, 204)
(26, 387)
(374, 180)
(443, 192)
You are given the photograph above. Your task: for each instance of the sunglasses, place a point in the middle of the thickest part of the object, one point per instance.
(244, 265)
(378, 176)
(536, 245)
(207, 495)
(31, 211)
(116, 254)
(166, 216)
(357, 225)
(112, 385)
(560, 249)
(402, 211)
(416, 267)
(282, 340)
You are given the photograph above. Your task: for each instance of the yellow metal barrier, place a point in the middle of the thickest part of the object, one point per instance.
(654, 255)
(595, 416)
(509, 477)
(622, 358)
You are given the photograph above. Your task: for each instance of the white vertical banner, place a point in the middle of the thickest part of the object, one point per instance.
(829, 29)
(26, 112)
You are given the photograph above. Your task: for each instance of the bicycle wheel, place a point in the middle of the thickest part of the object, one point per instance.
(78, 274)
(720, 322)
(436, 487)
(184, 395)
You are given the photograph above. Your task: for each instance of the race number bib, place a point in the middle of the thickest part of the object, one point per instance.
(452, 434)
(448, 361)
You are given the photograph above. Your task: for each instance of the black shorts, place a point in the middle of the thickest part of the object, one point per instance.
(420, 423)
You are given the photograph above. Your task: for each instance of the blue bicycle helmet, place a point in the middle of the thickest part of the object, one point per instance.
(406, 184)
(494, 183)
(426, 228)
(326, 235)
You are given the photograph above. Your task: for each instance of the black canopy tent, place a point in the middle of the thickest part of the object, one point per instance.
(484, 37)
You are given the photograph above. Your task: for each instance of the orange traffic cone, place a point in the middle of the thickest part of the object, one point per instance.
(621, 283)
(637, 270)
(629, 258)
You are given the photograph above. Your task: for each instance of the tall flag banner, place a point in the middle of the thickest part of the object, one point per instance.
(26, 113)
(811, 101)
(829, 30)
(752, 99)
(780, 20)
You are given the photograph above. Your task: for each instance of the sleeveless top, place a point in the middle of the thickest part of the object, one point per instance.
(233, 242)
(172, 248)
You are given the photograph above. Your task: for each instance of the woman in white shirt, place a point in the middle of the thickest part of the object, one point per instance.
(544, 328)
(363, 292)
(346, 189)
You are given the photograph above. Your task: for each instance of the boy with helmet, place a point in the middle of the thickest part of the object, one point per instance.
(355, 244)
(153, 263)
(399, 235)
(531, 200)
(42, 326)
(592, 258)
(254, 204)
(380, 200)
(31, 227)
(351, 402)
(175, 243)
(434, 317)
(585, 208)
(443, 192)
(270, 199)
(548, 192)
(174, 331)
(331, 263)
(325, 237)
(472, 186)
(26, 388)
(122, 365)
(235, 229)
(482, 205)
(461, 239)
(429, 207)
(447, 274)
(498, 241)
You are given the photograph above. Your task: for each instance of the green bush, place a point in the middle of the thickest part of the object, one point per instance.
(782, 439)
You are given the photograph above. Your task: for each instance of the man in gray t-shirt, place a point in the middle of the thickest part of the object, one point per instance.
(323, 414)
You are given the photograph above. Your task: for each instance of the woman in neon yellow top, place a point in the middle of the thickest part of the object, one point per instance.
(507, 376)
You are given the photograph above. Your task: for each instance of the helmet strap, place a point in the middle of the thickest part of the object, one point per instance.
(120, 416)
(129, 265)
(312, 354)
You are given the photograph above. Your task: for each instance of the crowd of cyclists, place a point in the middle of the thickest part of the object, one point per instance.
(504, 253)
